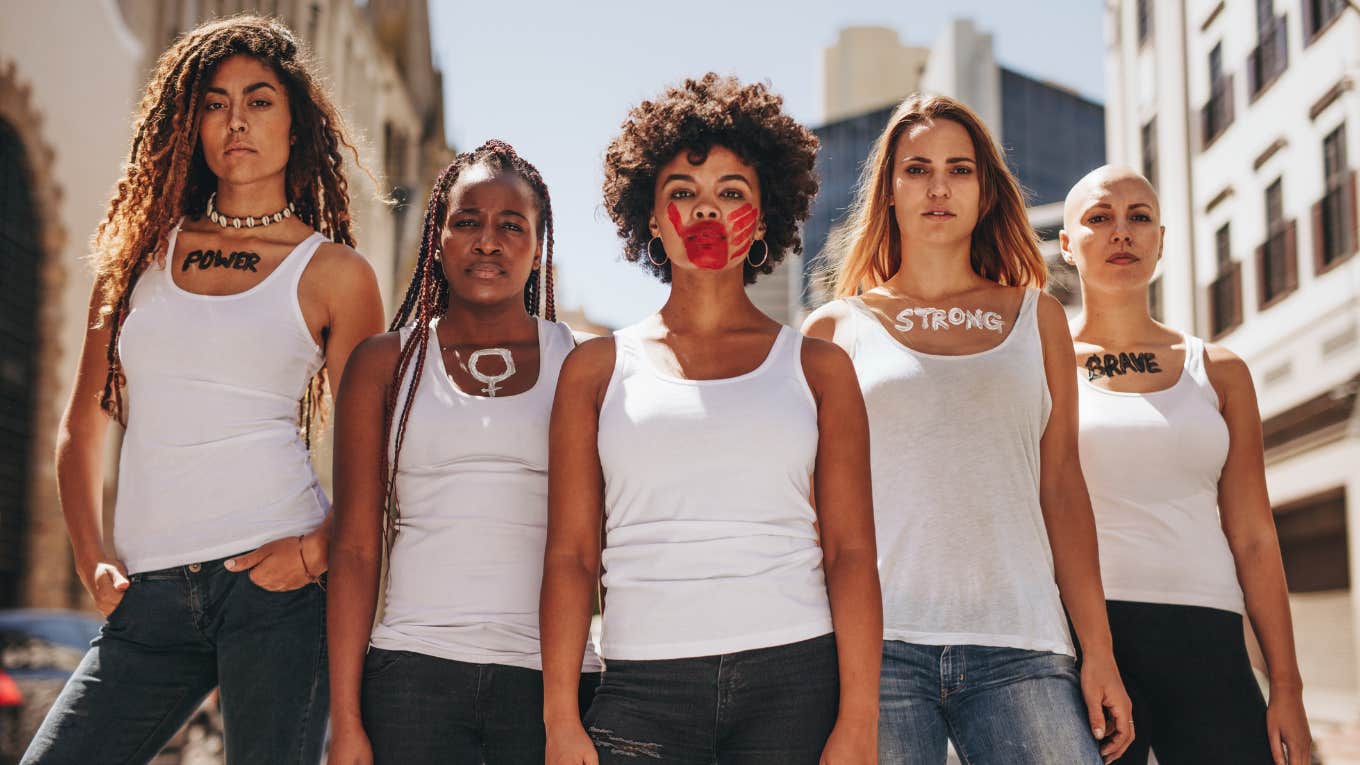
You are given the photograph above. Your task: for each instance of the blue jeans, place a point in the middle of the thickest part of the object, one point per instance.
(768, 706)
(420, 709)
(177, 634)
(1000, 706)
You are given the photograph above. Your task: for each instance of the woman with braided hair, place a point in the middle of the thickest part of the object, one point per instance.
(225, 288)
(442, 454)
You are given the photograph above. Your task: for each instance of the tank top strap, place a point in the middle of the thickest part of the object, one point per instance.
(1029, 308)
(1195, 368)
(292, 266)
(170, 241)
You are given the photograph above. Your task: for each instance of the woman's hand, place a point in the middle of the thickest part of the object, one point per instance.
(852, 742)
(1108, 706)
(109, 582)
(279, 566)
(568, 744)
(350, 746)
(1287, 726)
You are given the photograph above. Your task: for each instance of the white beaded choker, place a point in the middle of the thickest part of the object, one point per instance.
(249, 221)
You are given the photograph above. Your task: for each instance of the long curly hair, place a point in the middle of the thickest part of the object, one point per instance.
(166, 176)
(867, 251)
(427, 297)
(694, 117)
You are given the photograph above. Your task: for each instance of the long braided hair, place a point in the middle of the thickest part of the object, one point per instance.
(166, 176)
(427, 297)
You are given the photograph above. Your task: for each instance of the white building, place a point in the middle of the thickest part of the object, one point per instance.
(71, 74)
(1246, 116)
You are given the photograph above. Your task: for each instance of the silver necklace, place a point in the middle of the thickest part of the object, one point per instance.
(250, 221)
(492, 382)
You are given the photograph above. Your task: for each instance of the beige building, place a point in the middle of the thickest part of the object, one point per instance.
(868, 68)
(70, 76)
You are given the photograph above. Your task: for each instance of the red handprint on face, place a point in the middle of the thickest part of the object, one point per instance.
(707, 241)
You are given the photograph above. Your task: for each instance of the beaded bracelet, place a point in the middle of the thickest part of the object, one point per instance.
(316, 580)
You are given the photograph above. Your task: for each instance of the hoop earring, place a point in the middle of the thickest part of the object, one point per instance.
(764, 253)
(651, 257)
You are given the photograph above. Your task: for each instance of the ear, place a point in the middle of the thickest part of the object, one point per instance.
(653, 226)
(760, 228)
(1065, 246)
(1161, 242)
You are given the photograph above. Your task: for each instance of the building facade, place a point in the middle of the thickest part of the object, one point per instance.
(1245, 115)
(1051, 136)
(63, 137)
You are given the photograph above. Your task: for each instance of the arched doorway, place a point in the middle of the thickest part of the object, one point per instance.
(20, 258)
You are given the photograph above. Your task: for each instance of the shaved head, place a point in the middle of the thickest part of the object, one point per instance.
(1102, 179)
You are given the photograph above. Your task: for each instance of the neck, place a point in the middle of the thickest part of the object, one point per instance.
(263, 197)
(933, 270)
(496, 324)
(1113, 318)
(710, 302)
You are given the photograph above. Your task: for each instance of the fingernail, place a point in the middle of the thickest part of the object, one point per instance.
(230, 564)
(1100, 733)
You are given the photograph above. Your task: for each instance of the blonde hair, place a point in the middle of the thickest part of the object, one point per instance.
(867, 250)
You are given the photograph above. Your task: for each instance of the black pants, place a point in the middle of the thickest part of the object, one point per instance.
(423, 710)
(1195, 700)
(768, 706)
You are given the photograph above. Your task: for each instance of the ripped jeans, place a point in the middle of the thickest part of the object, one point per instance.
(768, 706)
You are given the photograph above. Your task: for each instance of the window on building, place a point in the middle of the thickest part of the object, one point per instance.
(1313, 543)
(1270, 57)
(1276, 259)
(1334, 218)
(1149, 136)
(1318, 16)
(1225, 292)
(1144, 20)
(1217, 113)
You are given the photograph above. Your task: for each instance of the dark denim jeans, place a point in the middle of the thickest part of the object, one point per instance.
(1000, 706)
(177, 634)
(420, 709)
(769, 706)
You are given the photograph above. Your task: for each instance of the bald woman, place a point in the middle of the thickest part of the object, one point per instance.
(1170, 445)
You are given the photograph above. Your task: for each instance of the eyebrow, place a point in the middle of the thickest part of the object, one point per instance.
(950, 161)
(247, 91)
(464, 210)
(690, 178)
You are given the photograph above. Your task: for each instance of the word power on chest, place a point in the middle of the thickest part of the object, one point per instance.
(205, 259)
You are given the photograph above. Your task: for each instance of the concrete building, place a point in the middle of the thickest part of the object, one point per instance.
(1051, 135)
(63, 136)
(1246, 116)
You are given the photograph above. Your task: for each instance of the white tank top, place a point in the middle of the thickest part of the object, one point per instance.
(472, 482)
(711, 542)
(963, 551)
(212, 462)
(1152, 463)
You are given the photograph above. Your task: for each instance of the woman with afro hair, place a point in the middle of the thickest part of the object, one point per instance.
(726, 459)
(225, 290)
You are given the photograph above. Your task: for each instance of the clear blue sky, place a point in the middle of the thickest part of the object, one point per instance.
(557, 78)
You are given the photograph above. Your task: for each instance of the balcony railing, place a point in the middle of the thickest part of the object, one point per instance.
(1277, 272)
(1217, 113)
(1225, 300)
(1269, 58)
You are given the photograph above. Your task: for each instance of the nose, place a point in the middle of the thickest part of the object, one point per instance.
(237, 122)
(487, 243)
(938, 187)
(1121, 231)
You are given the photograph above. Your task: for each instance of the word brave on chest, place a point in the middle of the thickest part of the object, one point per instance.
(1110, 365)
(205, 259)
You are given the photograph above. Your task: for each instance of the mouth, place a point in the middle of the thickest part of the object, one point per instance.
(1122, 258)
(938, 215)
(484, 271)
(234, 150)
(706, 232)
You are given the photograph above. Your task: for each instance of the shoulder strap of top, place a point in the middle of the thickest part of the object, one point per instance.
(297, 261)
(1195, 367)
(1029, 306)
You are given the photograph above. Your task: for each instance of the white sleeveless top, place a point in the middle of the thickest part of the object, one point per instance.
(963, 551)
(212, 462)
(1152, 463)
(472, 482)
(711, 546)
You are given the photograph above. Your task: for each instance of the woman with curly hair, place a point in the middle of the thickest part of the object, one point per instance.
(984, 526)
(225, 288)
(442, 443)
(725, 459)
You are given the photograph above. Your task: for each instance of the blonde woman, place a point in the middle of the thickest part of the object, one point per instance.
(984, 528)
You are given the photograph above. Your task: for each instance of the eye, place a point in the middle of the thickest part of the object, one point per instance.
(465, 223)
(732, 194)
(915, 170)
(260, 103)
(963, 170)
(1096, 219)
(512, 226)
(681, 194)
(213, 106)
(1142, 217)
